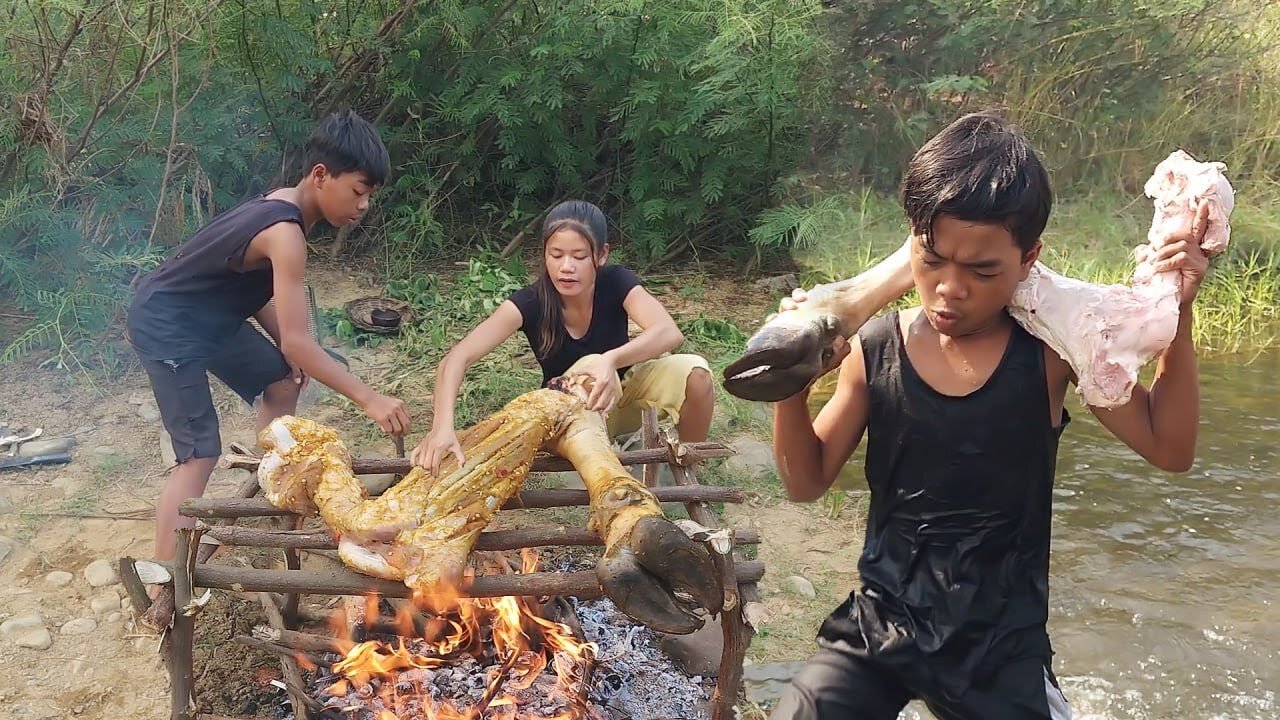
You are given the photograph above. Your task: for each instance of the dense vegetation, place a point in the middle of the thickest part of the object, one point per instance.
(730, 127)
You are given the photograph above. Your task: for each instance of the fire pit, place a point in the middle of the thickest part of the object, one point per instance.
(506, 658)
(514, 644)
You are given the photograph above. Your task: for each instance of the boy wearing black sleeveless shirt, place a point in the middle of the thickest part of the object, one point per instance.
(189, 316)
(963, 410)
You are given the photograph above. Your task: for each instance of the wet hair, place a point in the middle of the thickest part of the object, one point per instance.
(345, 142)
(588, 221)
(980, 168)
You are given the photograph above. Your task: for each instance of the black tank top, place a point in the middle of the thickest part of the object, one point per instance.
(190, 305)
(955, 566)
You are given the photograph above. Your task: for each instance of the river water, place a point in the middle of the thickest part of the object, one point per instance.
(1165, 589)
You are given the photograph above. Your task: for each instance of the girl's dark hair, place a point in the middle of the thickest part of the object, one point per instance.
(979, 168)
(345, 142)
(588, 221)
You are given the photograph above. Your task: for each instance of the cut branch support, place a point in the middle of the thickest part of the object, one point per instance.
(340, 581)
(182, 704)
(694, 452)
(157, 616)
(489, 541)
(529, 499)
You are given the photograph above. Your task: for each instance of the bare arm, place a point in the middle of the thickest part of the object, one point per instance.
(658, 334)
(658, 331)
(284, 245)
(1161, 424)
(810, 453)
(489, 334)
(266, 317)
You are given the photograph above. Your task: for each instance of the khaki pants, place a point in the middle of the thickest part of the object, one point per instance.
(657, 383)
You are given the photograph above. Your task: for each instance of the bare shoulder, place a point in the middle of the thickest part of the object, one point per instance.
(1058, 376)
(853, 369)
(284, 233)
(1057, 371)
(281, 244)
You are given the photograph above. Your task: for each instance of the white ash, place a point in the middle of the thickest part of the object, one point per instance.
(462, 684)
(633, 678)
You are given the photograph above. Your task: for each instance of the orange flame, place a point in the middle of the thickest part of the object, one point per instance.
(524, 641)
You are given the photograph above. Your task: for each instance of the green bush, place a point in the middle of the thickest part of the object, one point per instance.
(696, 125)
(133, 126)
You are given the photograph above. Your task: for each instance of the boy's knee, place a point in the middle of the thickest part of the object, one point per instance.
(284, 390)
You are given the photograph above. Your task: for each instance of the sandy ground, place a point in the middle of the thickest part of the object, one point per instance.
(59, 519)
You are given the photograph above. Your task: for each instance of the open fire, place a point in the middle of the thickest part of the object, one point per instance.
(504, 658)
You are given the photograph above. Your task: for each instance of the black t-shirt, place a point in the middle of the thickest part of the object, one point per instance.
(195, 301)
(608, 328)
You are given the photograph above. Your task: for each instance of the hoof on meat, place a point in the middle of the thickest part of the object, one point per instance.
(644, 573)
(781, 359)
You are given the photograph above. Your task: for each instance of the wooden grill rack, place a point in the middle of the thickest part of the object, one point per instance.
(280, 590)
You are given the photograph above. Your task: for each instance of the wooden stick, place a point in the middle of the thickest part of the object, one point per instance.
(529, 499)
(734, 630)
(340, 581)
(499, 679)
(288, 664)
(297, 689)
(278, 649)
(133, 585)
(301, 641)
(692, 452)
(157, 616)
(292, 561)
(492, 540)
(182, 704)
(649, 432)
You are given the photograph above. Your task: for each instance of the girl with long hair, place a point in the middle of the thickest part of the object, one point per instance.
(576, 316)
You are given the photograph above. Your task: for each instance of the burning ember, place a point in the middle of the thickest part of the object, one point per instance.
(503, 659)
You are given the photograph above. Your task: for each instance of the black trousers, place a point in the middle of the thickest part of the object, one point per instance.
(836, 685)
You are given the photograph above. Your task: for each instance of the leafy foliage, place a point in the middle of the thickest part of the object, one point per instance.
(136, 124)
(688, 121)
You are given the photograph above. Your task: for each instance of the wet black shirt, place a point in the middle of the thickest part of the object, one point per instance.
(955, 566)
(194, 302)
(608, 328)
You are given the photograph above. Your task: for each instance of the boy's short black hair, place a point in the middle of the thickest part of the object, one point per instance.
(980, 168)
(345, 142)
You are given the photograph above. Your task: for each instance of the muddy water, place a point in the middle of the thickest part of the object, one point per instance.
(1165, 589)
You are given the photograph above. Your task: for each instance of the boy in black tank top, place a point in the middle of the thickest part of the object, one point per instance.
(189, 316)
(963, 410)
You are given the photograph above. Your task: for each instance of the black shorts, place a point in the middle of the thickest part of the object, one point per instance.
(836, 685)
(248, 363)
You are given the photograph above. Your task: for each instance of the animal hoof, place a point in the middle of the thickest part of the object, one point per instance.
(643, 574)
(782, 358)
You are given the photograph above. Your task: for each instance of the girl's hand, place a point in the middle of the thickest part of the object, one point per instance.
(605, 388)
(435, 447)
